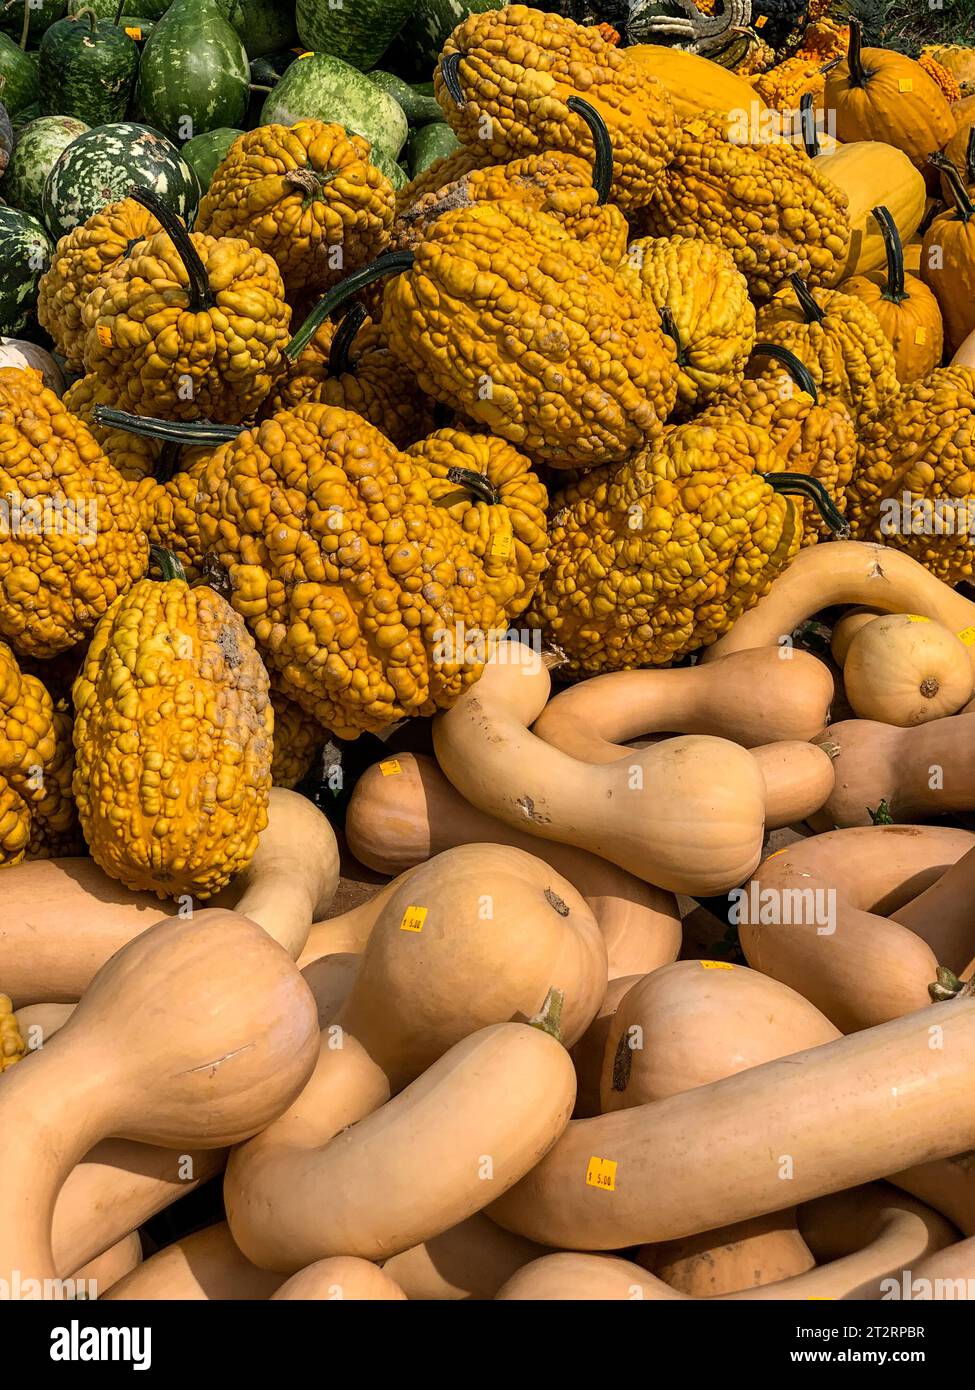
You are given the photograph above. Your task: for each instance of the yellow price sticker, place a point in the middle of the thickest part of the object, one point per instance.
(967, 635)
(761, 21)
(307, 54)
(104, 334)
(905, 84)
(413, 919)
(501, 544)
(134, 33)
(390, 767)
(920, 335)
(916, 618)
(717, 965)
(601, 1172)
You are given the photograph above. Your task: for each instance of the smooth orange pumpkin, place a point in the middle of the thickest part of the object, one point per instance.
(878, 94)
(948, 258)
(904, 306)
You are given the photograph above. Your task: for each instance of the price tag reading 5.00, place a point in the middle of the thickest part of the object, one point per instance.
(413, 919)
(602, 1173)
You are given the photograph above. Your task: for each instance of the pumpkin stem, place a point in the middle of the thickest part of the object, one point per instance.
(549, 1017)
(964, 207)
(345, 335)
(168, 461)
(799, 372)
(807, 125)
(167, 563)
(811, 311)
(947, 986)
(393, 262)
(91, 16)
(197, 432)
(602, 168)
(802, 485)
(201, 296)
(450, 72)
(854, 58)
(118, 13)
(970, 155)
(25, 31)
(672, 331)
(894, 290)
(475, 482)
(881, 816)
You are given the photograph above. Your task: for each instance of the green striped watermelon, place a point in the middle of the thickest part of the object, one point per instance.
(41, 15)
(205, 152)
(264, 26)
(322, 88)
(100, 166)
(194, 75)
(25, 254)
(424, 34)
(39, 147)
(19, 72)
(86, 69)
(355, 31)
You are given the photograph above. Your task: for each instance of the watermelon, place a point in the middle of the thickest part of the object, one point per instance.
(326, 89)
(357, 31)
(86, 69)
(264, 26)
(6, 138)
(194, 75)
(42, 14)
(19, 72)
(418, 108)
(38, 148)
(204, 152)
(428, 28)
(25, 254)
(434, 141)
(131, 9)
(100, 166)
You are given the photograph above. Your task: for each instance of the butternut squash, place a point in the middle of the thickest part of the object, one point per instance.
(118, 1186)
(687, 814)
(945, 1274)
(752, 698)
(106, 1269)
(404, 811)
(845, 572)
(341, 1277)
(905, 670)
(63, 918)
(925, 771)
(587, 1054)
(798, 780)
(694, 1022)
(941, 915)
(815, 917)
(201, 1266)
(846, 628)
(199, 1031)
(711, 1264)
(800, 1127)
(468, 1261)
(478, 1119)
(947, 1185)
(872, 1231)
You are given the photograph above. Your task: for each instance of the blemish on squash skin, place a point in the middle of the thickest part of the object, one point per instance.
(211, 1067)
(527, 805)
(622, 1064)
(555, 901)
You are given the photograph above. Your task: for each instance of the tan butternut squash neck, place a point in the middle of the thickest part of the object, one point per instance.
(942, 914)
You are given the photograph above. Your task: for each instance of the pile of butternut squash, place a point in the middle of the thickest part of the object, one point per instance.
(626, 930)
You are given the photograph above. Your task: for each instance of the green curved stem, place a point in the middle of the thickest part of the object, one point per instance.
(672, 331)
(549, 1017)
(811, 311)
(802, 485)
(167, 563)
(393, 262)
(970, 155)
(964, 207)
(90, 15)
(201, 296)
(450, 72)
(338, 358)
(602, 168)
(807, 124)
(798, 370)
(197, 432)
(894, 290)
(854, 56)
(118, 13)
(476, 483)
